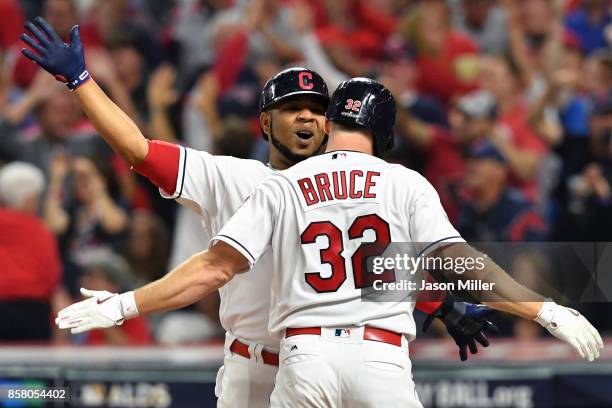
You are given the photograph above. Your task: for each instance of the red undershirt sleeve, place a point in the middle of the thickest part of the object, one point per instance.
(161, 166)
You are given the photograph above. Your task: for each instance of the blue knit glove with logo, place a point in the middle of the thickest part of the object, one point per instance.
(66, 62)
(465, 322)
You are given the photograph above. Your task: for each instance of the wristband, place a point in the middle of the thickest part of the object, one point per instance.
(78, 81)
(546, 313)
(128, 305)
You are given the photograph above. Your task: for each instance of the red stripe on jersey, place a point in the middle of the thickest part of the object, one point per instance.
(161, 166)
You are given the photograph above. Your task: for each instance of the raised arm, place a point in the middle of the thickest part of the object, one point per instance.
(119, 131)
(66, 62)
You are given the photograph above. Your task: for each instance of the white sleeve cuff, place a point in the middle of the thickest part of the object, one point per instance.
(440, 243)
(234, 244)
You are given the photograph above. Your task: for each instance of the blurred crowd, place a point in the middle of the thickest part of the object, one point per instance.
(504, 105)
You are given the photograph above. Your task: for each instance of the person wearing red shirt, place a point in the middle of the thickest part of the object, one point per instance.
(352, 32)
(522, 147)
(11, 23)
(446, 59)
(63, 15)
(30, 267)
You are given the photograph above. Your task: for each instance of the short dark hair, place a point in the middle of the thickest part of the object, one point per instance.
(350, 127)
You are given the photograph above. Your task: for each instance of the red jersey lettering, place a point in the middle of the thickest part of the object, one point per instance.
(353, 193)
(308, 190)
(370, 183)
(339, 180)
(323, 185)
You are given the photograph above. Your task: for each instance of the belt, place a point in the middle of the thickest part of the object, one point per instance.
(369, 333)
(242, 349)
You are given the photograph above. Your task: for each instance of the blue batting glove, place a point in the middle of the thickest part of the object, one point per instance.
(465, 322)
(66, 62)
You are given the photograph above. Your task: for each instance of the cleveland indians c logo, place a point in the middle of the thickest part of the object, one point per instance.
(305, 80)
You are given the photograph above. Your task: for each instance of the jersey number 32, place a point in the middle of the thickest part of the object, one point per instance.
(332, 255)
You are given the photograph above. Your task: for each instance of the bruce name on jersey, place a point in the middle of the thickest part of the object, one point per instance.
(338, 185)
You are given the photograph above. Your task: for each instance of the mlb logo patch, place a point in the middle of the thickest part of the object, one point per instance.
(343, 333)
(338, 155)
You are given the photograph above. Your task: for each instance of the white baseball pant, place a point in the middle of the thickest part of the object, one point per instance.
(340, 369)
(244, 382)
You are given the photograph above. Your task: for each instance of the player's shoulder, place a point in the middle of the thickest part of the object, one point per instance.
(402, 172)
(248, 167)
(411, 182)
(246, 164)
(335, 159)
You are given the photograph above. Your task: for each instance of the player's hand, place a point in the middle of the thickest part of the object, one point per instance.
(571, 327)
(102, 309)
(66, 62)
(465, 322)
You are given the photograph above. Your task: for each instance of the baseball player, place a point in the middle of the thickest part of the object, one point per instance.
(337, 350)
(292, 105)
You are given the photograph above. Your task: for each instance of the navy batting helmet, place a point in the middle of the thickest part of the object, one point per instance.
(367, 103)
(290, 83)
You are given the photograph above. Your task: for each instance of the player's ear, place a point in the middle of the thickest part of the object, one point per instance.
(328, 126)
(265, 122)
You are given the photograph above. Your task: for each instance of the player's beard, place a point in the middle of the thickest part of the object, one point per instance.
(293, 158)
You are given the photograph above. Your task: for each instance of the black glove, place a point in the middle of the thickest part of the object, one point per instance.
(464, 321)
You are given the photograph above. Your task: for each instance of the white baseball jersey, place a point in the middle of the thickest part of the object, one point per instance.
(315, 216)
(215, 187)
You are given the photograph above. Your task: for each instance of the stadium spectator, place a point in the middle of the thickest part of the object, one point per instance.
(105, 270)
(484, 21)
(161, 96)
(189, 34)
(61, 14)
(490, 210)
(396, 70)
(589, 23)
(59, 126)
(147, 246)
(11, 24)
(267, 28)
(566, 92)
(352, 33)
(516, 139)
(31, 267)
(85, 217)
(600, 67)
(446, 59)
(472, 119)
(590, 204)
(108, 19)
